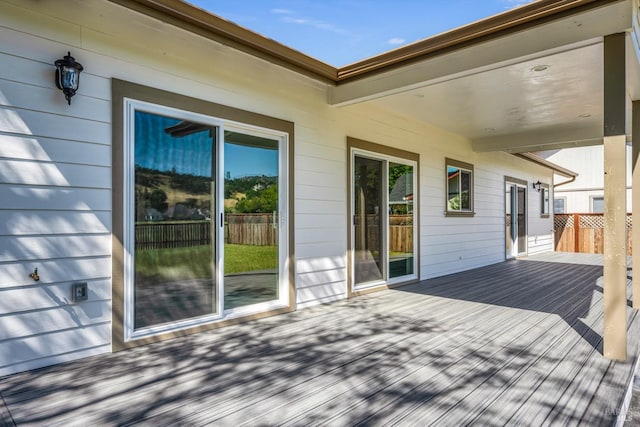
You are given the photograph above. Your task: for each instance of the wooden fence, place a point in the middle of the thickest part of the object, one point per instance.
(583, 233)
(242, 229)
(256, 229)
(178, 234)
(400, 232)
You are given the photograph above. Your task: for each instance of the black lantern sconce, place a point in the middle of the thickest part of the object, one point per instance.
(536, 186)
(68, 76)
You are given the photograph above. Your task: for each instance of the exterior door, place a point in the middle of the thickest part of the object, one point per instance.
(515, 219)
(207, 229)
(383, 224)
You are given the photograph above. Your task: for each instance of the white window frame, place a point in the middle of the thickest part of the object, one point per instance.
(544, 189)
(591, 200)
(462, 167)
(564, 205)
(130, 107)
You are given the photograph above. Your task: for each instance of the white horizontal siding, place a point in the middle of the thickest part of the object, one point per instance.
(54, 270)
(54, 319)
(333, 180)
(47, 346)
(41, 296)
(21, 222)
(320, 293)
(54, 150)
(35, 123)
(26, 248)
(29, 198)
(320, 220)
(55, 187)
(54, 174)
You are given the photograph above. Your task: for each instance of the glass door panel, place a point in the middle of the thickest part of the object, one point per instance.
(510, 237)
(522, 220)
(401, 221)
(515, 220)
(368, 200)
(251, 204)
(174, 226)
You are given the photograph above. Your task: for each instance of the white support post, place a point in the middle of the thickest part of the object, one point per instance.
(615, 206)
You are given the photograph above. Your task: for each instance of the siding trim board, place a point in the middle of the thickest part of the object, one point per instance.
(123, 89)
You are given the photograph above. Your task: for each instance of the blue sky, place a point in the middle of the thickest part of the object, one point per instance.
(191, 154)
(340, 32)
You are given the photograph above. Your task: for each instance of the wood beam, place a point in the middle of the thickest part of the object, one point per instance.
(615, 248)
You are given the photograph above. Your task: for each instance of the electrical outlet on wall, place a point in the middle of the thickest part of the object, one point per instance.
(79, 292)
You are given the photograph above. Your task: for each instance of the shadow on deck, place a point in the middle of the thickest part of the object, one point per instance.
(517, 343)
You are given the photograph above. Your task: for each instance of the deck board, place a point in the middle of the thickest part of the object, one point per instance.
(512, 343)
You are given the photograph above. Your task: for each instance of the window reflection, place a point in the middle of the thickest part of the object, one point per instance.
(174, 245)
(401, 199)
(251, 205)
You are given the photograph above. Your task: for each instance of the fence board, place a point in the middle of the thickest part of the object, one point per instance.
(400, 232)
(583, 233)
(241, 229)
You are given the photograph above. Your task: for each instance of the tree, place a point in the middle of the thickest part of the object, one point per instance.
(259, 201)
(158, 200)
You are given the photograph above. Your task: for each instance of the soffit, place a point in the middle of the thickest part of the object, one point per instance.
(490, 93)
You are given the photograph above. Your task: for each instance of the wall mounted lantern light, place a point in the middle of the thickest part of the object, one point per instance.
(536, 186)
(68, 76)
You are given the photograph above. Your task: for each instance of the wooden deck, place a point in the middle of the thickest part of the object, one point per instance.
(513, 343)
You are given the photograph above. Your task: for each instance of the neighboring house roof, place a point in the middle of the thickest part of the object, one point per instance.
(560, 170)
(402, 190)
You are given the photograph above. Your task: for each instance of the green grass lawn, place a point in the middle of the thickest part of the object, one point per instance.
(195, 262)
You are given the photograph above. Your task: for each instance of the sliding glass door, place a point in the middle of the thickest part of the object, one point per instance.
(383, 223)
(207, 220)
(175, 230)
(368, 250)
(251, 198)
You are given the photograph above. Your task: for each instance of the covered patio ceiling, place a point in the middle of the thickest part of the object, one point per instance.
(533, 89)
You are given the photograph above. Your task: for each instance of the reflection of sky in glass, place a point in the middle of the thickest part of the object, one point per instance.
(240, 160)
(156, 149)
(191, 154)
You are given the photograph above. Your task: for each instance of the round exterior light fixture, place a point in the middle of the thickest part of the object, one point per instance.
(68, 76)
(539, 68)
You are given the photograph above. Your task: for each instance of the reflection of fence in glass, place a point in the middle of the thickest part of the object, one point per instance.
(255, 229)
(583, 233)
(400, 232)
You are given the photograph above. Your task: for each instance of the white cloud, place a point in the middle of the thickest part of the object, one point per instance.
(282, 11)
(395, 41)
(320, 25)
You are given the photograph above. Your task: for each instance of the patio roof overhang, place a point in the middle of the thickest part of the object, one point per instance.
(528, 79)
(535, 86)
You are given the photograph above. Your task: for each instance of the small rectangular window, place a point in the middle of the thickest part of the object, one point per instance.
(459, 188)
(597, 204)
(544, 200)
(559, 205)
